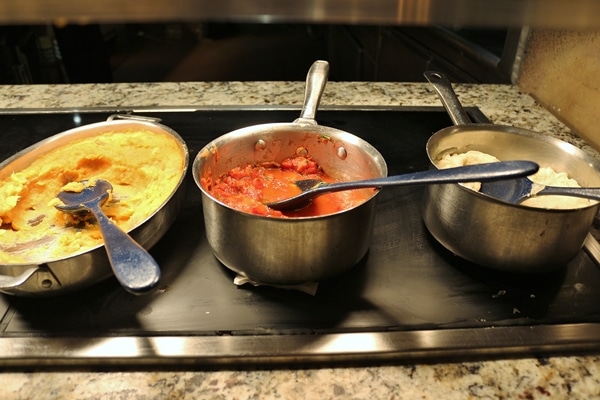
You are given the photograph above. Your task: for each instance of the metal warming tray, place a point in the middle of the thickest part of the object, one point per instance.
(409, 298)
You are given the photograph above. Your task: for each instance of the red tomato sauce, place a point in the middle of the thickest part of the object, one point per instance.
(248, 188)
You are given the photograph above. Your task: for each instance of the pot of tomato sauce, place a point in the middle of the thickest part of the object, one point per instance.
(312, 244)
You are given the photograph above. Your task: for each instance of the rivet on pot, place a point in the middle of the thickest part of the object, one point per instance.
(260, 145)
(342, 153)
(301, 152)
(46, 283)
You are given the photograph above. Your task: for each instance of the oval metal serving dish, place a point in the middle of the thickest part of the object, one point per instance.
(84, 268)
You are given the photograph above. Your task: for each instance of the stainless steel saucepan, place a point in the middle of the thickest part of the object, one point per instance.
(496, 234)
(287, 251)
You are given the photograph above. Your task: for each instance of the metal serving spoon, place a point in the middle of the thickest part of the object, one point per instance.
(312, 188)
(520, 189)
(132, 265)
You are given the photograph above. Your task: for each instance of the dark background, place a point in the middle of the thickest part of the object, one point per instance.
(180, 52)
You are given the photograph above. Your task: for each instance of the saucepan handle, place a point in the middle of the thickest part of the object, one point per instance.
(11, 282)
(448, 97)
(134, 118)
(316, 79)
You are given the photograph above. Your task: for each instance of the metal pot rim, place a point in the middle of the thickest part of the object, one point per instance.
(126, 121)
(511, 130)
(310, 127)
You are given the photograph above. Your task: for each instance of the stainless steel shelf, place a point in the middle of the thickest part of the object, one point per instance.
(274, 350)
(487, 13)
(409, 299)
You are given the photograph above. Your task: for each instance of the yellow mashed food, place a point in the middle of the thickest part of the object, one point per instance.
(143, 167)
(545, 176)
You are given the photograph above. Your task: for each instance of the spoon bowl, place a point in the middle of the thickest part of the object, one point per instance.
(92, 192)
(133, 266)
(312, 188)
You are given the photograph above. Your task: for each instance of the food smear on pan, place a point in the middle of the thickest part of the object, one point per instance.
(144, 168)
(545, 176)
(247, 188)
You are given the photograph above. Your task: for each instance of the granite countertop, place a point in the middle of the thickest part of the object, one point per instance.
(576, 376)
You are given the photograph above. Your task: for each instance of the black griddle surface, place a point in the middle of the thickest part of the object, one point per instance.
(407, 281)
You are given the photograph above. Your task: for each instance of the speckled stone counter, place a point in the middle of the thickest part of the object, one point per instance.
(576, 376)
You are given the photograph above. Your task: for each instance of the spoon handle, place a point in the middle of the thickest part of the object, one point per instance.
(587, 193)
(132, 265)
(470, 173)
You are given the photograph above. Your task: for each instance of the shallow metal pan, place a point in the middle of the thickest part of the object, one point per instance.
(59, 276)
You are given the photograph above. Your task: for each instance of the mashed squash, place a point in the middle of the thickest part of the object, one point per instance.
(143, 167)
